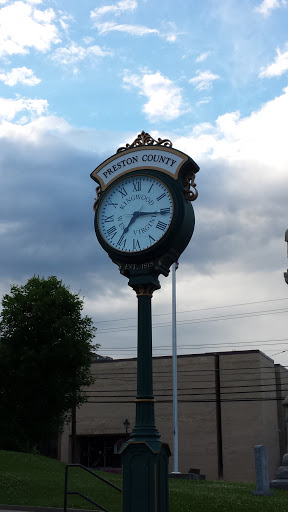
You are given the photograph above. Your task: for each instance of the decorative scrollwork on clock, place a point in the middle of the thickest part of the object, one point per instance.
(97, 190)
(145, 139)
(190, 184)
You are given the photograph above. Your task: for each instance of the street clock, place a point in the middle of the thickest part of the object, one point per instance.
(143, 213)
(144, 220)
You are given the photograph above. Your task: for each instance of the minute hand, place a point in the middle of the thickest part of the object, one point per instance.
(152, 213)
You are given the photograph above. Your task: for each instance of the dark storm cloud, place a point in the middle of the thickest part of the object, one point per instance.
(240, 216)
(46, 225)
(46, 201)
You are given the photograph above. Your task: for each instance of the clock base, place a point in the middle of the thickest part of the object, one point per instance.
(145, 476)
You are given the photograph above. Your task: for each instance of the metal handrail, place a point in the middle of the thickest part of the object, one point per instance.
(66, 492)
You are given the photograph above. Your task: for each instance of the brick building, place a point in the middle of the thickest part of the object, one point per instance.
(227, 403)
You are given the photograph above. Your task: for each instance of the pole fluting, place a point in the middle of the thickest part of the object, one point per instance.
(145, 416)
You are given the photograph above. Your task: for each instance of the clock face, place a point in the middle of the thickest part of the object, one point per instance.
(135, 214)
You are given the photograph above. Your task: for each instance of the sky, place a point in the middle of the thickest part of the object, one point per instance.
(80, 79)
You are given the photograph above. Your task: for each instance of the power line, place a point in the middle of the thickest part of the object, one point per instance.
(282, 352)
(209, 345)
(132, 380)
(157, 390)
(191, 383)
(193, 392)
(270, 369)
(225, 400)
(185, 389)
(183, 395)
(196, 310)
(199, 320)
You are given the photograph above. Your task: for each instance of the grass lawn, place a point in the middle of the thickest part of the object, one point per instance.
(27, 479)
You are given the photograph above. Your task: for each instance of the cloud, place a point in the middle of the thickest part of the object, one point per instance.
(137, 30)
(9, 108)
(117, 9)
(203, 80)
(278, 67)
(259, 137)
(64, 20)
(203, 56)
(267, 6)
(237, 253)
(164, 97)
(168, 31)
(134, 30)
(242, 209)
(76, 53)
(124, 6)
(207, 99)
(171, 37)
(34, 129)
(19, 75)
(23, 27)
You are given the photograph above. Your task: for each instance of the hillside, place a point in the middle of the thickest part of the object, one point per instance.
(34, 480)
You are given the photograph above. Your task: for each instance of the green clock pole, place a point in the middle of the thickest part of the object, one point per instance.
(144, 456)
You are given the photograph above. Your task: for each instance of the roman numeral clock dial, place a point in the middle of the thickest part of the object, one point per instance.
(135, 214)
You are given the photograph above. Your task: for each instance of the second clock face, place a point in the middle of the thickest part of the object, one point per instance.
(135, 213)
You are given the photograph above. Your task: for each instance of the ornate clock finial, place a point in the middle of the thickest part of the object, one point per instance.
(144, 139)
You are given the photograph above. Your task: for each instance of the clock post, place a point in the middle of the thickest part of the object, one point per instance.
(144, 220)
(145, 457)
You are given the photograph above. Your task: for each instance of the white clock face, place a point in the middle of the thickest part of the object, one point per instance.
(135, 214)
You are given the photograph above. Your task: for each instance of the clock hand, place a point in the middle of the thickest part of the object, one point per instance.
(152, 213)
(133, 218)
(137, 214)
(130, 222)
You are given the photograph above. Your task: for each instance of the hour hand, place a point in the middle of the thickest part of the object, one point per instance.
(133, 218)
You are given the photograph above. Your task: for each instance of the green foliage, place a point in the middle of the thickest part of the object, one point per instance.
(45, 355)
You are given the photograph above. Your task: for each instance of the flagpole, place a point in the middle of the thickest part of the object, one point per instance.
(174, 359)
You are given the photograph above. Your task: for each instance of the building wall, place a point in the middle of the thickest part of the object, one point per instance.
(281, 378)
(196, 411)
(249, 413)
(227, 403)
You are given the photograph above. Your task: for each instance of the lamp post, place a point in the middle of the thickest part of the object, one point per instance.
(126, 424)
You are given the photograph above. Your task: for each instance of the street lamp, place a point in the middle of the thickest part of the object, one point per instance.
(126, 424)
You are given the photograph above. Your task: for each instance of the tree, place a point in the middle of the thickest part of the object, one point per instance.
(45, 357)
